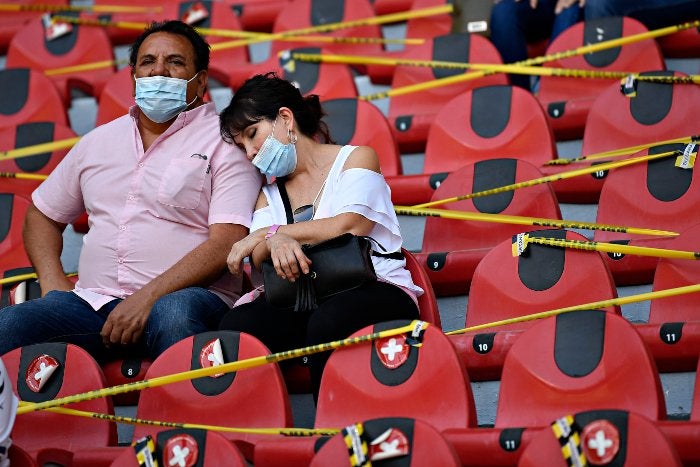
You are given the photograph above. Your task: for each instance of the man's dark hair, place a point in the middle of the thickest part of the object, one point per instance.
(200, 46)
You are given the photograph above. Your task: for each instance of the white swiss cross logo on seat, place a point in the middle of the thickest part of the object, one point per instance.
(392, 351)
(180, 451)
(212, 355)
(600, 442)
(40, 371)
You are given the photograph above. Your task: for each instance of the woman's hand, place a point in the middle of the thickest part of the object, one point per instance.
(241, 250)
(288, 257)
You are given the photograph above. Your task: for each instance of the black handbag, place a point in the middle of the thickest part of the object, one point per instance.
(337, 265)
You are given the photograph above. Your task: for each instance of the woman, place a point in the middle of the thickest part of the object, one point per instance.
(331, 190)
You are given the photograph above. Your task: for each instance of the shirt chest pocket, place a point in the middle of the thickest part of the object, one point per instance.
(183, 182)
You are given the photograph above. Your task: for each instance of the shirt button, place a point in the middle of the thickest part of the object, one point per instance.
(131, 197)
(122, 227)
(141, 164)
(120, 260)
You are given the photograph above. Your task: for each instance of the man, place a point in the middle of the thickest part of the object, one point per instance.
(166, 199)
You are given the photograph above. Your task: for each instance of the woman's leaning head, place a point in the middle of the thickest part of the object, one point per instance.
(261, 97)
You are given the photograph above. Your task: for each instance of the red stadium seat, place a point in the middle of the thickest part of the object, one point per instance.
(391, 378)
(568, 100)
(411, 114)
(75, 372)
(117, 96)
(683, 44)
(658, 112)
(328, 80)
(581, 360)
(29, 134)
(14, 209)
(17, 266)
(124, 371)
(403, 442)
(27, 95)
(427, 303)
(360, 123)
(11, 22)
(452, 248)
(601, 437)
(84, 44)
(302, 14)
(543, 278)
(20, 458)
(387, 7)
(184, 447)
(255, 397)
(670, 273)
(486, 123)
(429, 26)
(125, 36)
(654, 195)
(485, 446)
(257, 15)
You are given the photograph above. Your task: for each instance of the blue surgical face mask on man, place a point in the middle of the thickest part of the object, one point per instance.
(162, 98)
(275, 158)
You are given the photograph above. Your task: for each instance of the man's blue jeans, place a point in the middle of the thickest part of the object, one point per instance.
(64, 317)
(515, 23)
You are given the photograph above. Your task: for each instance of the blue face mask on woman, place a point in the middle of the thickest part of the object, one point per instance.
(275, 158)
(162, 98)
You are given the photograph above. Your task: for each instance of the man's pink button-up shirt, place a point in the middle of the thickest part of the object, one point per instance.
(148, 209)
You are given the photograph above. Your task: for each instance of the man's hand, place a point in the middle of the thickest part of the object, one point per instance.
(126, 323)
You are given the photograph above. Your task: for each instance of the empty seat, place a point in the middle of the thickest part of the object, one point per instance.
(44, 372)
(543, 278)
(411, 114)
(486, 123)
(125, 36)
(427, 302)
(601, 437)
(429, 26)
(256, 397)
(12, 21)
(302, 14)
(568, 100)
(581, 360)
(185, 447)
(658, 112)
(257, 15)
(654, 194)
(452, 248)
(30, 134)
(26, 95)
(30, 48)
(683, 44)
(392, 378)
(403, 442)
(670, 273)
(13, 209)
(361, 123)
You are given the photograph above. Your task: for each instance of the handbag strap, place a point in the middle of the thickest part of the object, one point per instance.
(290, 220)
(285, 199)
